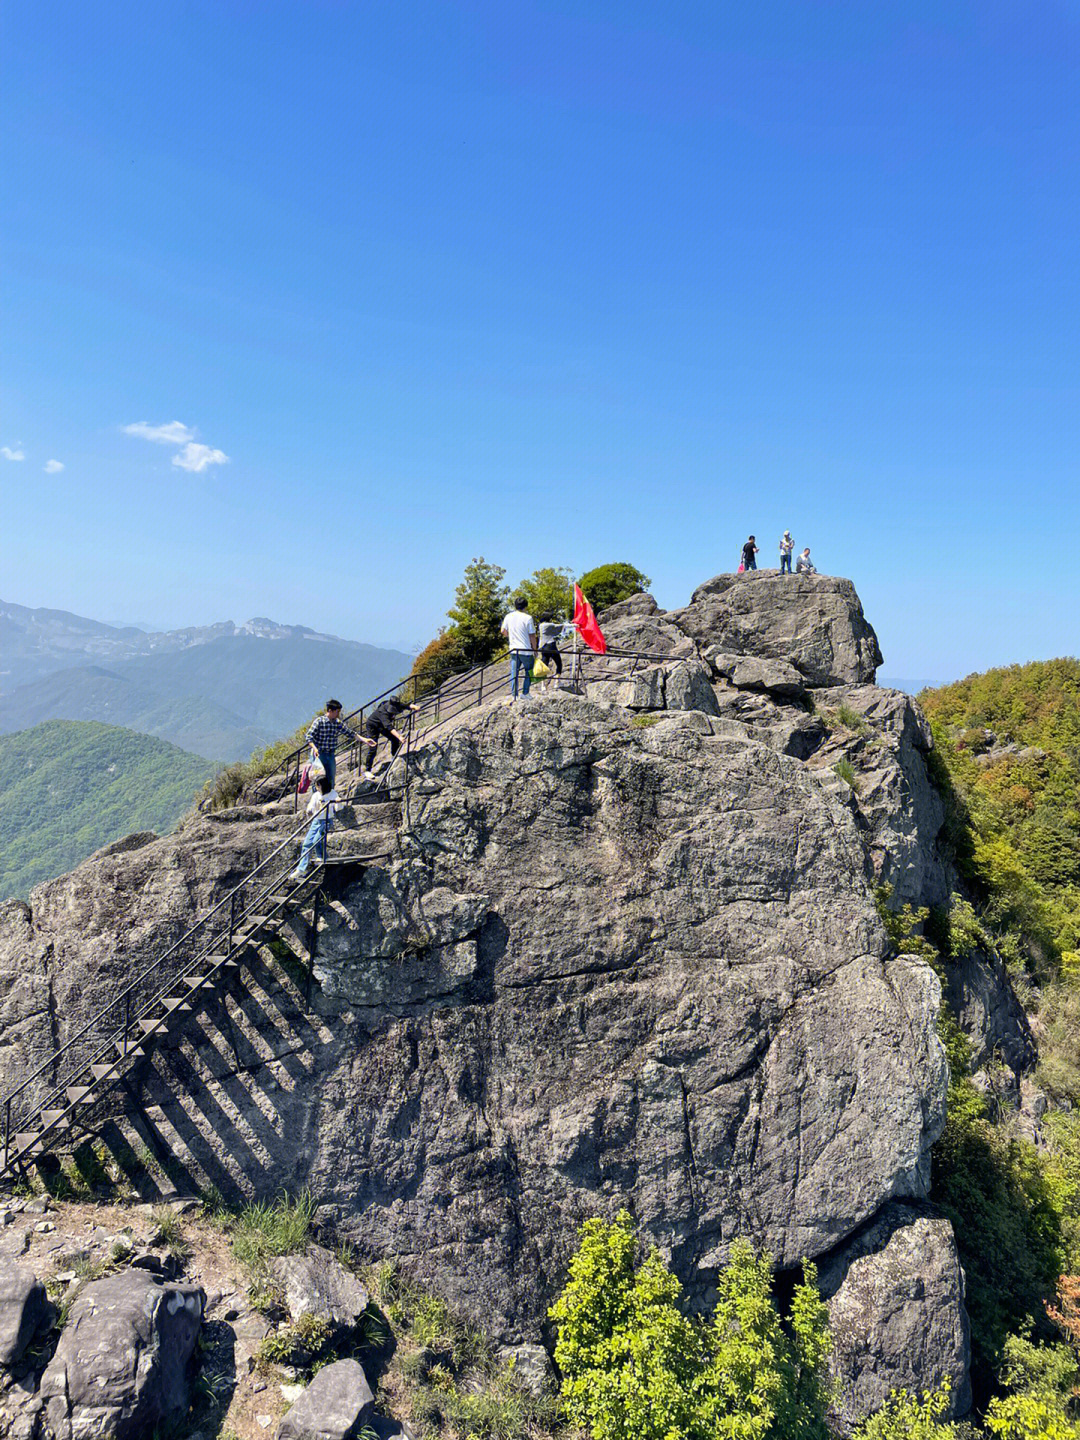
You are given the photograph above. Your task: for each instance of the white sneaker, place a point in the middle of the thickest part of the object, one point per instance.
(298, 875)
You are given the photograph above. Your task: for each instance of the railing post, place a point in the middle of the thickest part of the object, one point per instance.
(7, 1131)
(232, 922)
(127, 1024)
(480, 690)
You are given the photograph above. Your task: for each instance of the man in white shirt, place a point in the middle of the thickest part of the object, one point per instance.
(520, 632)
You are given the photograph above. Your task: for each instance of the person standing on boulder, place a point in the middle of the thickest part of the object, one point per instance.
(787, 545)
(749, 550)
(323, 734)
(520, 632)
(381, 723)
(804, 565)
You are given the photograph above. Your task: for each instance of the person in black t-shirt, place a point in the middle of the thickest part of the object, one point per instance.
(749, 550)
(382, 722)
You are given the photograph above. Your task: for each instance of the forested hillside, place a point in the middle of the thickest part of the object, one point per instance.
(69, 787)
(1008, 1171)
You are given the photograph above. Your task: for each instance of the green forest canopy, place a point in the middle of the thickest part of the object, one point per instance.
(67, 787)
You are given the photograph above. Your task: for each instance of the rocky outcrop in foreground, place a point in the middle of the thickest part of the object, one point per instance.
(626, 952)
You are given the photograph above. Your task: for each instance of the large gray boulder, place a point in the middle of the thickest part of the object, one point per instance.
(335, 1406)
(896, 1309)
(24, 1311)
(813, 621)
(316, 1283)
(121, 1366)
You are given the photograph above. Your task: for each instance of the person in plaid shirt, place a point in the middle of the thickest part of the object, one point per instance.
(323, 734)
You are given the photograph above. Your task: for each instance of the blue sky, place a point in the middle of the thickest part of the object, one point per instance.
(555, 284)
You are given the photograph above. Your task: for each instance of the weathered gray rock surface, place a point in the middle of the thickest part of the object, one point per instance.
(815, 622)
(24, 1311)
(896, 1309)
(608, 963)
(316, 1283)
(121, 1366)
(990, 1015)
(336, 1405)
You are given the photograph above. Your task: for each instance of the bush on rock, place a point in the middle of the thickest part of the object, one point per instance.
(636, 1368)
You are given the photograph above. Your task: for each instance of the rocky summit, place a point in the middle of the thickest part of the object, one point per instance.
(622, 950)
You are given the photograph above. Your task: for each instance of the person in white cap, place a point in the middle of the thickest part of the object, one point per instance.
(787, 545)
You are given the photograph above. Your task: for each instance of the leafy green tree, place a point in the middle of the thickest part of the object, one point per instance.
(439, 659)
(480, 602)
(548, 593)
(636, 1368)
(1043, 1380)
(608, 584)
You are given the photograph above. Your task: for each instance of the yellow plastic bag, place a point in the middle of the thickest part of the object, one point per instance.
(540, 671)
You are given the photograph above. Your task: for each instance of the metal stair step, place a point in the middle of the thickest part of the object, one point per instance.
(148, 1027)
(26, 1140)
(222, 962)
(55, 1119)
(78, 1093)
(99, 1072)
(173, 1003)
(132, 1051)
(194, 982)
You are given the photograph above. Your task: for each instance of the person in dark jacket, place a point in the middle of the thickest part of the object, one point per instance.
(749, 550)
(382, 724)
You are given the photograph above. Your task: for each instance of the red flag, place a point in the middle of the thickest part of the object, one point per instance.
(585, 620)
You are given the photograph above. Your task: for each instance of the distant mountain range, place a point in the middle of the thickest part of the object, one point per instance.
(219, 691)
(67, 788)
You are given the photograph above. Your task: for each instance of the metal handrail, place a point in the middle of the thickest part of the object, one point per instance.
(123, 998)
(435, 699)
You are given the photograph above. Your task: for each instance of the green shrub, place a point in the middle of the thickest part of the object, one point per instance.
(844, 769)
(636, 1368)
(645, 722)
(608, 584)
(907, 1417)
(851, 719)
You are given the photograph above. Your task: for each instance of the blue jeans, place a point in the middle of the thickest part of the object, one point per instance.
(316, 836)
(521, 663)
(329, 764)
(785, 564)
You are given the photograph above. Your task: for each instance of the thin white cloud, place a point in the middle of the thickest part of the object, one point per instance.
(9, 454)
(174, 433)
(53, 467)
(197, 457)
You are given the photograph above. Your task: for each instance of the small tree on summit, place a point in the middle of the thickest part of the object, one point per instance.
(480, 602)
(608, 584)
(548, 592)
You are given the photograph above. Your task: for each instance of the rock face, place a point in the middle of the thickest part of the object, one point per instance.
(625, 952)
(122, 1362)
(24, 1312)
(336, 1404)
(896, 1310)
(989, 1013)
